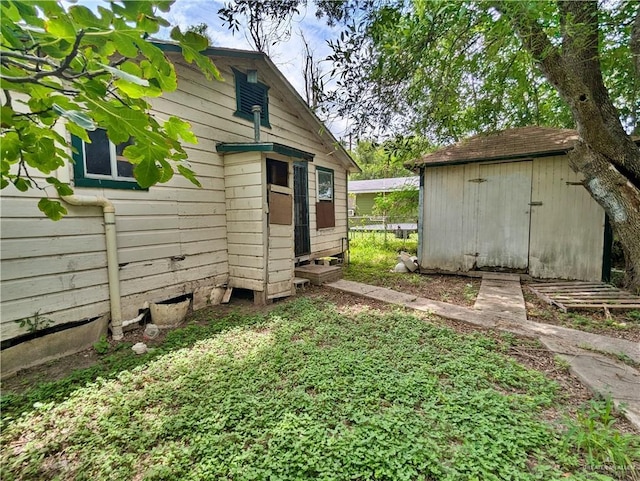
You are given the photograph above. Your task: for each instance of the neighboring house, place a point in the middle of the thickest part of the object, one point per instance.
(362, 193)
(265, 205)
(510, 201)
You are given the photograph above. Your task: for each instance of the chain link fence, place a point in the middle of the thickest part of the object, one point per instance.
(400, 227)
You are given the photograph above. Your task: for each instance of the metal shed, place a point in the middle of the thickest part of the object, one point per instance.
(509, 201)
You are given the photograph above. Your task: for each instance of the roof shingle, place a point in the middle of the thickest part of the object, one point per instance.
(512, 143)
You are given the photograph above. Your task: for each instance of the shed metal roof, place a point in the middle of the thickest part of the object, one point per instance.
(382, 185)
(515, 143)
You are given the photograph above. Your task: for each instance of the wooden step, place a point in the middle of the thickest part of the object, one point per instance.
(319, 274)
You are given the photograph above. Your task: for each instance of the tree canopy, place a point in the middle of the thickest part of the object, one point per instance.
(386, 159)
(88, 69)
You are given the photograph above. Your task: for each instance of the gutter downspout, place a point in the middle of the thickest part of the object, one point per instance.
(113, 274)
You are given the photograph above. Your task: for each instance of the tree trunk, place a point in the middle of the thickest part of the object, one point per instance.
(605, 155)
(620, 200)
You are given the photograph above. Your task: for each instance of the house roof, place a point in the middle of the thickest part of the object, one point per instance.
(515, 143)
(336, 147)
(382, 185)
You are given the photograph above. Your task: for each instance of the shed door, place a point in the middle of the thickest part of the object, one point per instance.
(301, 208)
(504, 194)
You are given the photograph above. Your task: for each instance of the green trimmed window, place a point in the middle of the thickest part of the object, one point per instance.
(249, 94)
(325, 207)
(101, 163)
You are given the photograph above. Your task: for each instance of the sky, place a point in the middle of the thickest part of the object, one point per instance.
(288, 56)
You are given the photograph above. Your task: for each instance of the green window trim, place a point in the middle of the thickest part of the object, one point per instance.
(319, 171)
(247, 95)
(80, 178)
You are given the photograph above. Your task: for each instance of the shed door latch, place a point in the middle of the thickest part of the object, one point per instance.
(477, 181)
(535, 203)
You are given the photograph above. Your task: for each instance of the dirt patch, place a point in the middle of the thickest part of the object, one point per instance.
(459, 290)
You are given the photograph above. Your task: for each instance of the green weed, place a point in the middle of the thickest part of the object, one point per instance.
(305, 393)
(470, 292)
(102, 346)
(35, 322)
(594, 435)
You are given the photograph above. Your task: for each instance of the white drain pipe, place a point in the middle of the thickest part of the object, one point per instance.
(113, 274)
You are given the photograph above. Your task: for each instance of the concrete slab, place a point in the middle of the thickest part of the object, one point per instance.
(583, 339)
(503, 296)
(601, 374)
(501, 276)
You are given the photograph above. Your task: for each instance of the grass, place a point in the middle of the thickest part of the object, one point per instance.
(307, 392)
(372, 258)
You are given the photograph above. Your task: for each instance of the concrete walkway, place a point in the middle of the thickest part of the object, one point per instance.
(500, 305)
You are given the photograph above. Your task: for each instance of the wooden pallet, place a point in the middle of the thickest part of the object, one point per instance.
(585, 295)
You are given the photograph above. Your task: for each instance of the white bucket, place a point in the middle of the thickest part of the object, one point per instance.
(166, 315)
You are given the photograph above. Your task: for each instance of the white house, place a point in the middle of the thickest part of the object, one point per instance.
(265, 205)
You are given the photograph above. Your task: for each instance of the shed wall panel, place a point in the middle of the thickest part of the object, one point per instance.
(567, 230)
(444, 207)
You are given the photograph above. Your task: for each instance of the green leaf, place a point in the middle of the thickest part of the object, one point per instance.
(62, 188)
(125, 76)
(179, 129)
(78, 131)
(125, 43)
(22, 184)
(85, 17)
(166, 172)
(61, 28)
(189, 174)
(10, 146)
(147, 173)
(77, 117)
(53, 209)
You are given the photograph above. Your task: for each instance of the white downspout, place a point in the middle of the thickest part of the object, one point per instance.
(109, 212)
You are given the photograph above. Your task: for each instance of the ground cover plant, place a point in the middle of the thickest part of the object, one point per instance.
(372, 256)
(56, 381)
(309, 392)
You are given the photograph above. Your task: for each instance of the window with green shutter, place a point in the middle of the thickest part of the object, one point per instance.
(249, 94)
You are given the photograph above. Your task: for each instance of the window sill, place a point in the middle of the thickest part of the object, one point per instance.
(107, 184)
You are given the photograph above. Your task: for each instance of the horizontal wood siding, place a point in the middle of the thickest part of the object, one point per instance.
(245, 206)
(288, 128)
(280, 263)
(171, 239)
(567, 230)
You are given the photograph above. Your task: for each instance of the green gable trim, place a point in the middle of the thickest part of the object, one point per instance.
(264, 147)
(213, 51)
(79, 179)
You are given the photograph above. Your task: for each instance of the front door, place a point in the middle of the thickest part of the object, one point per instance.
(301, 208)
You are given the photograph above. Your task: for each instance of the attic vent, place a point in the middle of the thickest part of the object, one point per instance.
(249, 94)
